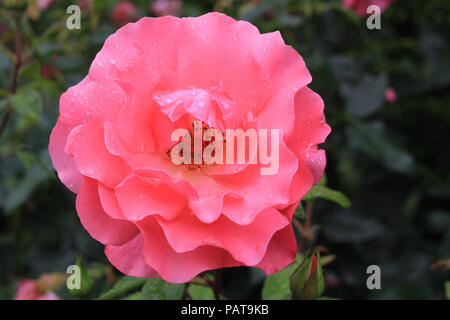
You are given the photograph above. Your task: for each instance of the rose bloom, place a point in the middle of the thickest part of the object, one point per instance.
(28, 290)
(113, 136)
(360, 6)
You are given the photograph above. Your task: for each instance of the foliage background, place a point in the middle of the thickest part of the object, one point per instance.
(390, 159)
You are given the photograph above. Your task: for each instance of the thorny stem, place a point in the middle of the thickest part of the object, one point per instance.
(13, 87)
(308, 213)
(306, 228)
(187, 294)
(217, 288)
(216, 284)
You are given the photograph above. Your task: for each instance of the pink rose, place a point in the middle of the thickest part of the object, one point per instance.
(28, 290)
(123, 12)
(166, 7)
(113, 136)
(390, 95)
(360, 6)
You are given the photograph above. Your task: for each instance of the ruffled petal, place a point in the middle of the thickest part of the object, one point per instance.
(288, 74)
(62, 162)
(139, 198)
(179, 267)
(312, 130)
(281, 251)
(128, 258)
(86, 144)
(96, 221)
(246, 244)
(255, 192)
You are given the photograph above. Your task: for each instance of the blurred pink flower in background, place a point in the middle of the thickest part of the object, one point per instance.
(86, 5)
(390, 95)
(49, 71)
(331, 280)
(123, 12)
(360, 6)
(44, 4)
(166, 7)
(29, 290)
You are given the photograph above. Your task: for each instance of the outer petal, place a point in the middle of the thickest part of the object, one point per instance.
(311, 130)
(129, 259)
(62, 162)
(96, 221)
(281, 251)
(288, 74)
(246, 244)
(179, 267)
(86, 144)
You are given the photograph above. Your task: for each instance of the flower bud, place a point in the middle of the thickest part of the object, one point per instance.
(86, 281)
(307, 281)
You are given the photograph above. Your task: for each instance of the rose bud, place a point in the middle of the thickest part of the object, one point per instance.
(307, 281)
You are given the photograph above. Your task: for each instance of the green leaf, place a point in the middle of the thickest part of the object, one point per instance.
(367, 97)
(200, 292)
(320, 191)
(19, 194)
(346, 226)
(27, 158)
(101, 6)
(276, 286)
(447, 290)
(158, 289)
(372, 139)
(134, 296)
(27, 103)
(125, 284)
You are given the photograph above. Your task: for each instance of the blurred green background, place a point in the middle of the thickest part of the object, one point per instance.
(390, 157)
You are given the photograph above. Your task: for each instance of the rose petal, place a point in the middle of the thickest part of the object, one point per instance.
(139, 198)
(179, 267)
(86, 144)
(62, 162)
(246, 244)
(96, 221)
(128, 258)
